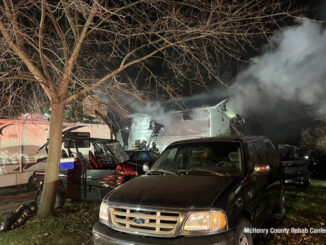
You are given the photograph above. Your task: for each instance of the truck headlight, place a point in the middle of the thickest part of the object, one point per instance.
(207, 221)
(104, 213)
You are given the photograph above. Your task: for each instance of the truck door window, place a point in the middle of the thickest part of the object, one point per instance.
(253, 158)
(270, 145)
(262, 153)
(270, 150)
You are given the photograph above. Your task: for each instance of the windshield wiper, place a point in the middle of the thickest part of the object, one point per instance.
(201, 170)
(162, 171)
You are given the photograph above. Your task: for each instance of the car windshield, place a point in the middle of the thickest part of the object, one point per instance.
(115, 147)
(219, 158)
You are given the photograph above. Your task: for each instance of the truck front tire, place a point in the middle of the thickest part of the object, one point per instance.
(242, 237)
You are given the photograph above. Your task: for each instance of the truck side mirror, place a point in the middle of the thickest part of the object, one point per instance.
(261, 169)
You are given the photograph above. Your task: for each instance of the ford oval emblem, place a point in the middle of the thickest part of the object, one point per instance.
(139, 221)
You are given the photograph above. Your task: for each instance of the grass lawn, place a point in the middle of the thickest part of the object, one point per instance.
(73, 225)
(306, 207)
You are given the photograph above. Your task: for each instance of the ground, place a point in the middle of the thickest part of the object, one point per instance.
(73, 224)
(12, 197)
(305, 209)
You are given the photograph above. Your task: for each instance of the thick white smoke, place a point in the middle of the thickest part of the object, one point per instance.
(156, 112)
(293, 70)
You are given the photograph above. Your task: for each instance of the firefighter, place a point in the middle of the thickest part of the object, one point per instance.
(237, 124)
(136, 146)
(154, 148)
(143, 145)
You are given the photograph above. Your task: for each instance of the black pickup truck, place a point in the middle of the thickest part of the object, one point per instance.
(200, 191)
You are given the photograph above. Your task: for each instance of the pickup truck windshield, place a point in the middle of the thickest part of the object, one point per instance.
(220, 158)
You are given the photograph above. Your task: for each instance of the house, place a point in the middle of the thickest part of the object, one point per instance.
(206, 121)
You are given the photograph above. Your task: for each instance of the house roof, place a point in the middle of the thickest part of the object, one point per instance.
(199, 100)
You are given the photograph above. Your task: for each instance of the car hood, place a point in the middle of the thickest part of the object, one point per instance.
(175, 191)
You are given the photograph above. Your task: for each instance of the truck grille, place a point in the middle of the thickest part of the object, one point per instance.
(160, 223)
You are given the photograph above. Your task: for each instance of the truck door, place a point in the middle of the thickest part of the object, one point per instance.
(270, 186)
(256, 184)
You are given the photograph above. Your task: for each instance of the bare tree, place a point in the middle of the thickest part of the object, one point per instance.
(71, 47)
(315, 137)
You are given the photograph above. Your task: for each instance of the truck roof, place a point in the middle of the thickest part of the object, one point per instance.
(223, 139)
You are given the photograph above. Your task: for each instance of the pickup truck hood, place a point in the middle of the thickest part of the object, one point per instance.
(175, 191)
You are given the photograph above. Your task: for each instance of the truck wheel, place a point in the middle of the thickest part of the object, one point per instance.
(60, 198)
(243, 238)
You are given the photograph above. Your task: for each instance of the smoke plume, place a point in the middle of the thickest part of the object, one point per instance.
(156, 111)
(293, 71)
(281, 92)
(284, 90)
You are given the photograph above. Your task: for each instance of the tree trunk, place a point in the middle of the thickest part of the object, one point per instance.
(52, 168)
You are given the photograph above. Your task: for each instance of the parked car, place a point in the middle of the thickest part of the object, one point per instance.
(89, 167)
(200, 191)
(296, 166)
(142, 159)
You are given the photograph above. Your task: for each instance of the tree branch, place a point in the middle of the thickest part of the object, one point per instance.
(59, 31)
(118, 70)
(40, 43)
(72, 60)
(72, 24)
(23, 56)
(12, 16)
(2, 79)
